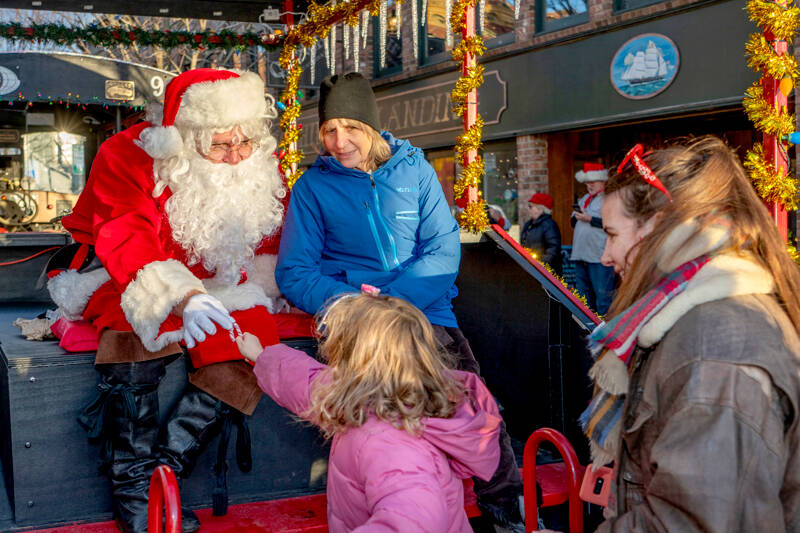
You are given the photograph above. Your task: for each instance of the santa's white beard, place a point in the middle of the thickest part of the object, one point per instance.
(219, 212)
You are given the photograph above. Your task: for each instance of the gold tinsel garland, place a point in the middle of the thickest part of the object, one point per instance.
(793, 253)
(472, 44)
(761, 57)
(781, 21)
(464, 85)
(470, 139)
(470, 177)
(474, 217)
(574, 292)
(764, 115)
(457, 14)
(771, 185)
(288, 156)
(316, 25)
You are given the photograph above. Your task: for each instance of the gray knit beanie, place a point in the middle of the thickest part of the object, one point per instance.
(348, 96)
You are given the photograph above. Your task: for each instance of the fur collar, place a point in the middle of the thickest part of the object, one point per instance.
(723, 277)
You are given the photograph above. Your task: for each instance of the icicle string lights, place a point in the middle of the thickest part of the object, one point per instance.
(398, 11)
(312, 60)
(449, 29)
(332, 37)
(382, 35)
(364, 28)
(415, 30)
(346, 41)
(356, 40)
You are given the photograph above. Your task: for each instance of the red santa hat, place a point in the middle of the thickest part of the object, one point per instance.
(542, 199)
(592, 172)
(204, 98)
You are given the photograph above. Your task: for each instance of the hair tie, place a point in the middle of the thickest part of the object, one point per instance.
(634, 156)
(370, 290)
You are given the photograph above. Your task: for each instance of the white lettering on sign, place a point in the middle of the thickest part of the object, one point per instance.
(157, 84)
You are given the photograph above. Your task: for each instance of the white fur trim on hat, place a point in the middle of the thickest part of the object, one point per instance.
(592, 175)
(71, 290)
(160, 142)
(148, 300)
(223, 103)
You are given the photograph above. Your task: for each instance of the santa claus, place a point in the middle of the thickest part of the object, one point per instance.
(179, 224)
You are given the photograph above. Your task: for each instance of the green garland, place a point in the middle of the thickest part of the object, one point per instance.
(114, 36)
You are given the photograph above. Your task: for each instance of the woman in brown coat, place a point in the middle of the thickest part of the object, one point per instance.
(697, 370)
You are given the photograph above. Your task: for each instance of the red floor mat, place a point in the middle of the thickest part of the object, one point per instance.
(305, 514)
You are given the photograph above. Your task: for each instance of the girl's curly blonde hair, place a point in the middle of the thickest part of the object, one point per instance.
(383, 360)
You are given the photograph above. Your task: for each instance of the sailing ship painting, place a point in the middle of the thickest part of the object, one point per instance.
(644, 66)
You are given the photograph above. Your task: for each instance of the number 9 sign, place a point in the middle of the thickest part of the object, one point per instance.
(157, 84)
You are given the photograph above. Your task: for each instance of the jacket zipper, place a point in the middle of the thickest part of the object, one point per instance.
(383, 223)
(377, 239)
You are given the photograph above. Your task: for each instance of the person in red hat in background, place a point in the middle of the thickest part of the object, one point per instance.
(180, 220)
(541, 233)
(593, 280)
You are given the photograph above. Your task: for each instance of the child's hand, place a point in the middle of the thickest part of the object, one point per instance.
(249, 346)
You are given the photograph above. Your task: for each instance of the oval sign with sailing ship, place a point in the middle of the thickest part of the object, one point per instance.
(644, 66)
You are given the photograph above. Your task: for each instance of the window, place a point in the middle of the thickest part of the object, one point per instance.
(394, 46)
(500, 181)
(624, 5)
(443, 162)
(433, 32)
(498, 28)
(554, 15)
(498, 22)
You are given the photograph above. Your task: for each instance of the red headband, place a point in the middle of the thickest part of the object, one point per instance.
(634, 157)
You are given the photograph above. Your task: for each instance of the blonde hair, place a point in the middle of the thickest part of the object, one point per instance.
(379, 152)
(383, 360)
(707, 183)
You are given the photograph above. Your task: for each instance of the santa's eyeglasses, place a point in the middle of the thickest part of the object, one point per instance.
(219, 151)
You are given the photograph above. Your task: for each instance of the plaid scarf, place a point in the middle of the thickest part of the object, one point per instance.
(601, 420)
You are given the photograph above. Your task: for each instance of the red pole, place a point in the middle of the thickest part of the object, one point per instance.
(471, 112)
(772, 145)
(287, 17)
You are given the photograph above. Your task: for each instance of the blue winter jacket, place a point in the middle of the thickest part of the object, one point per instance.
(392, 230)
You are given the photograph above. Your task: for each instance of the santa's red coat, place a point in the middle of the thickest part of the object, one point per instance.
(149, 272)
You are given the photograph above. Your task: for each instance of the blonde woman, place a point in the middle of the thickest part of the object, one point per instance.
(697, 384)
(405, 428)
(371, 211)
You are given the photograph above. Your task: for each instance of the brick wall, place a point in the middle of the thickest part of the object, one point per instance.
(531, 170)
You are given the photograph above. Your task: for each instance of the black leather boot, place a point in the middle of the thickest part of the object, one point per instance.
(125, 418)
(195, 420)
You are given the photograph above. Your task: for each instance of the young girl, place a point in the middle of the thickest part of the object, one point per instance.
(697, 382)
(406, 430)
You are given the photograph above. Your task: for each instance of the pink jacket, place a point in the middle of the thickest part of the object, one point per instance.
(382, 479)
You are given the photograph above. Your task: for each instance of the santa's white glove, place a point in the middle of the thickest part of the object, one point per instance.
(199, 315)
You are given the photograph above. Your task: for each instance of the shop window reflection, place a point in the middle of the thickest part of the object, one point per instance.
(500, 181)
(498, 28)
(554, 15)
(498, 22)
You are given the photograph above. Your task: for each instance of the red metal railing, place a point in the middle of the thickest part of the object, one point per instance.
(573, 471)
(164, 494)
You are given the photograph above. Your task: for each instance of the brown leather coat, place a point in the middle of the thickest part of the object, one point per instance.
(711, 429)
